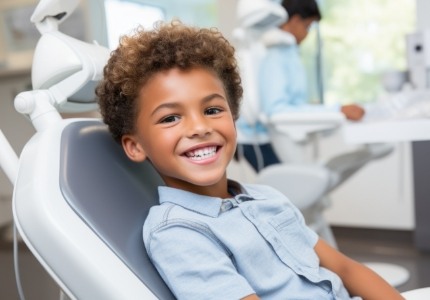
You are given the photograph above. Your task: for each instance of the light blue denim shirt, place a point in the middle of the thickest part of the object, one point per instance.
(212, 248)
(282, 85)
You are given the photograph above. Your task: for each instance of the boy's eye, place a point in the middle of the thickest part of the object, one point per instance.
(213, 111)
(169, 119)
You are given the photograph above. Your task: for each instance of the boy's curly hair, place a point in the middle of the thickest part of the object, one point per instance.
(145, 53)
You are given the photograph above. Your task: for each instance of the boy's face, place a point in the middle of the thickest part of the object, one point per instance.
(185, 128)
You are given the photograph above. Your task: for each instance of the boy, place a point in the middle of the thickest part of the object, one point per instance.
(171, 95)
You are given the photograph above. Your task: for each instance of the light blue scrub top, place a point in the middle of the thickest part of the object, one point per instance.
(282, 86)
(256, 242)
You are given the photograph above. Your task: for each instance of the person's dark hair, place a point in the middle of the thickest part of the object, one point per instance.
(147, 52)
(304, 8)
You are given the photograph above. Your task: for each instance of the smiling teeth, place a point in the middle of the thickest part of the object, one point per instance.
(202, 153)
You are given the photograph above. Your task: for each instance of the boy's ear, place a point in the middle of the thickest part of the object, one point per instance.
(133, 148)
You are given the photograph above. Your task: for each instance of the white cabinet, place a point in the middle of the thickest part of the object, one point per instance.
(380, 195)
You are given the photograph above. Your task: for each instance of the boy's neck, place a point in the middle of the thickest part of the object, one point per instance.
(218, 190)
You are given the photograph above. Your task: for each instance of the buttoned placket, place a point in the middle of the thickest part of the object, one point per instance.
(229, 203)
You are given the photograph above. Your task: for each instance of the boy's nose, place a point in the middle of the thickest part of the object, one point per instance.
(198, 126)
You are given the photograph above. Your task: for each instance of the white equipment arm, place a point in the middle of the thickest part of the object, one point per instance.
(300, 125)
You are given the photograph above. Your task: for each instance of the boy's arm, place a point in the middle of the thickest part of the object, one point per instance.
(357, 278)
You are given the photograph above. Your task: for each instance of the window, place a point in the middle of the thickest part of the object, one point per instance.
(359, 40)
(124, 15)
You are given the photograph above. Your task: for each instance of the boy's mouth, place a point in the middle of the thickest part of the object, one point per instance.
(201, 153)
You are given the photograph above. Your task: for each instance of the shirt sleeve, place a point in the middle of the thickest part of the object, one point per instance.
(194, 264)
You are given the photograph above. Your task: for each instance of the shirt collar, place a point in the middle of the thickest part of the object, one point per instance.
(207, 205)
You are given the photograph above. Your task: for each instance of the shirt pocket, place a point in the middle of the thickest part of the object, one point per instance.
(293, 243)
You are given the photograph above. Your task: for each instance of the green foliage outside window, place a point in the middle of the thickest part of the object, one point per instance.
(360, 41)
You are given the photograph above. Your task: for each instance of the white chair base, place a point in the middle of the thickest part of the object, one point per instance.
(395, 275)
(418, 294)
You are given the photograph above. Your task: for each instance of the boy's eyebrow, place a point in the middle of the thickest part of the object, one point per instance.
(175, 104)
(165, 105)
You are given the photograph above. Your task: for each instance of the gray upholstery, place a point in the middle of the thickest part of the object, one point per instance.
(111, 194)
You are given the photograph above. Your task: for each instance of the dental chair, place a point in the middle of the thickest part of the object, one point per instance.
(79, 203)
(300, 177)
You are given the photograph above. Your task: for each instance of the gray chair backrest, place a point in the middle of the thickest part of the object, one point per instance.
(111, 194)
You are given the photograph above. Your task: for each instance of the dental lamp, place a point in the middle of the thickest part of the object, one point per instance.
(65, 70)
